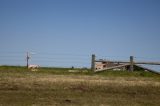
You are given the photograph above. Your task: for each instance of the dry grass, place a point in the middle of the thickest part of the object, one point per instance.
(42, 89)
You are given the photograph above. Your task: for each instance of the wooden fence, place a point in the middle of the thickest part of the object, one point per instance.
(130, 63)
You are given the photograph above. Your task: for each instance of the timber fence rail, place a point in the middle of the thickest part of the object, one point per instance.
(130, 63)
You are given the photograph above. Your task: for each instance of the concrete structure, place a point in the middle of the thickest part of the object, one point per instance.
(104, 64)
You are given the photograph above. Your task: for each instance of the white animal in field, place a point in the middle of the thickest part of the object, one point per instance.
(33, 67)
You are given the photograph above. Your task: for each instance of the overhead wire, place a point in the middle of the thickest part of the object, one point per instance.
(60, 58)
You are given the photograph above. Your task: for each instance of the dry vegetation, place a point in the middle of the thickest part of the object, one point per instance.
(23, 88)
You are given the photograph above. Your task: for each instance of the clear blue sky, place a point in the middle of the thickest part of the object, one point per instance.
(80, 27)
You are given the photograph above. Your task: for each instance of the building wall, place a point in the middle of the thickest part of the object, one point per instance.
(99, 65)
(102, 65)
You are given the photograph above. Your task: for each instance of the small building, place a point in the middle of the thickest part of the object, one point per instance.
(107, 64)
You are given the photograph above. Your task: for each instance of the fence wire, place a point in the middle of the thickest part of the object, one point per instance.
(45, 59)
(54, 59)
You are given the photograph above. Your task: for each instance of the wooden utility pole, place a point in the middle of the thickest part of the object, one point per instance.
(93, 62)
(131, 63)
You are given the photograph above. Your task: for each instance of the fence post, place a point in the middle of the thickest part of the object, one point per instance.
(131, 63)
(93, 62)
(27, 57)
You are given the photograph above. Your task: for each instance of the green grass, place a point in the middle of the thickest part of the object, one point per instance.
(58, 87)
(64, 71)
(128, 74)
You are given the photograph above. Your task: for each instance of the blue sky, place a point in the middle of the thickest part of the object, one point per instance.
(113, 28)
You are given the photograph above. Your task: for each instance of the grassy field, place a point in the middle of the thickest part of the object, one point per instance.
(58, 87)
